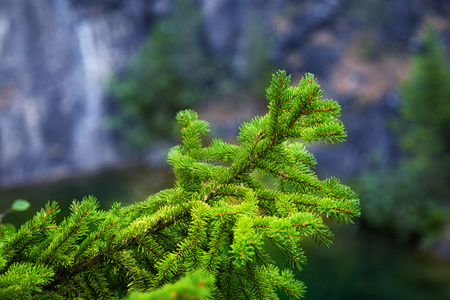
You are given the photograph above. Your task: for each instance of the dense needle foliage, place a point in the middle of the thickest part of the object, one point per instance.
(203, 238)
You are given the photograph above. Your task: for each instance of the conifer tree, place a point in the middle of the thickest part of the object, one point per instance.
(411, 199)
(163, 69)
(204, 238)
(425, 111)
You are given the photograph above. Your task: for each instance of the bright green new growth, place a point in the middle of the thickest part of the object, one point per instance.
(205, 237)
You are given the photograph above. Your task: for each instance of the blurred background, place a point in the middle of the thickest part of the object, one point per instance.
(89, 91)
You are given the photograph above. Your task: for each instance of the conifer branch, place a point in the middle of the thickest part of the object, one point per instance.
(205, 236)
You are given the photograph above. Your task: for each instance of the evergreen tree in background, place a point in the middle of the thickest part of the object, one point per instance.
(173, 72)
(166, 76)
(425, 111)
(412, 200)
(205, 237)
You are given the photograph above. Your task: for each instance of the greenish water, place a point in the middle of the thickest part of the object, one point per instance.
(359, 265)
(363, 265)
(119, 185)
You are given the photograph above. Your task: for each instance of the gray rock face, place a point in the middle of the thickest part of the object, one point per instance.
(56, 56)
(55, 60)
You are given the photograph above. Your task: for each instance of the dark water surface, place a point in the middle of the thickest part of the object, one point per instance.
(363, 265)
(119, 185)
(359, 265)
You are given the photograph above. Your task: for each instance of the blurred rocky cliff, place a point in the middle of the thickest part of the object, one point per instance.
(55, 58)
(57, 55)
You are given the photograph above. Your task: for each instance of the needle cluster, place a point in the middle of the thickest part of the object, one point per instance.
(205, 237)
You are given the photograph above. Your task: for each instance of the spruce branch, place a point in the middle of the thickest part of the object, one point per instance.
(206, 236)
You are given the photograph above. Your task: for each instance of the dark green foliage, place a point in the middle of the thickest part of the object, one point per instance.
(204, 238)
(396, 201)
(172, 72)
(412, 200)
(425, 110)
(165, 77)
